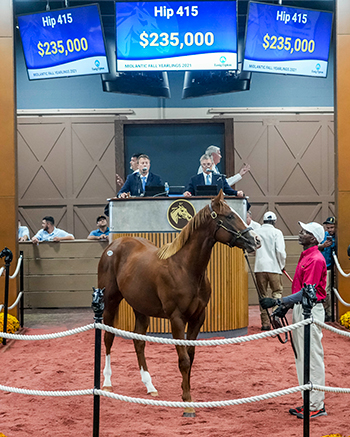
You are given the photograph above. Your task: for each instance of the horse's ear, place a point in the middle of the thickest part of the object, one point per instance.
(219, 198)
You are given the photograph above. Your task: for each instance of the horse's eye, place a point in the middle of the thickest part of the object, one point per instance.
(230, 216)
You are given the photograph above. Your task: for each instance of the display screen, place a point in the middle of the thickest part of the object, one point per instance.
(287, 40)
(65, 42)
(154, 36)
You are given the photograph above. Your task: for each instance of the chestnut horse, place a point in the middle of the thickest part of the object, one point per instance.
(170, 282)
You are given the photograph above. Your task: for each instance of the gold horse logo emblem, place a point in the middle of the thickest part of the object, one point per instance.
(180, 213)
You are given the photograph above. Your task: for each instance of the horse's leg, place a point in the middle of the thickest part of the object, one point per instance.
(178, 331)
(141, 325)
(193, 329)
(109, 315)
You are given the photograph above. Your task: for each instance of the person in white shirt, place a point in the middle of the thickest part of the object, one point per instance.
(50, 233)
(23, 232)
(270, 260)
(215, 153)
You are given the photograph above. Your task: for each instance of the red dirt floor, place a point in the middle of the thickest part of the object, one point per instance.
(219, 373)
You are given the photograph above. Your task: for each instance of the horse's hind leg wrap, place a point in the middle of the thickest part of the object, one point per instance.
(107, 372)
(147, 380)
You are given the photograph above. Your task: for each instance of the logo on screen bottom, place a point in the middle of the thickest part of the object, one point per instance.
(223, 59)
(97, 63)
(180, 213)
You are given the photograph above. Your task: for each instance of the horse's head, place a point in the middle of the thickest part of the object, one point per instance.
(231, 229)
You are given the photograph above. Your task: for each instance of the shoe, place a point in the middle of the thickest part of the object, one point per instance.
(266, 328)
(296, 410)
(321, 412)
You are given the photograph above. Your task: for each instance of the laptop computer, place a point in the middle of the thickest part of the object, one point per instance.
(155, 190)
(206, 190)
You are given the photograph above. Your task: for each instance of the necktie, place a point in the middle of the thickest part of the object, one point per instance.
(207, 180)
(143, 182)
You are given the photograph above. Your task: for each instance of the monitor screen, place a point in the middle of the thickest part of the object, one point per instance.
(287, 40)
(181, 35)
(65, 42)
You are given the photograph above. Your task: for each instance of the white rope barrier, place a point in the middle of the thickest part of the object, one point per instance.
(14, 304)
(132, 335)
(212, 404)
(1, 270)
(176, 404)
(19, 262)
(24, 391)
(340, 298)
(332, 329)
(47, 336)
(182, 342)
(341, 271)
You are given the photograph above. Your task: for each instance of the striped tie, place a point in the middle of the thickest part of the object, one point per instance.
(143, 182)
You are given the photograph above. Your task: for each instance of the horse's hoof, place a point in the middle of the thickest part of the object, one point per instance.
(189, 412)
(107, 388)
(153, 393)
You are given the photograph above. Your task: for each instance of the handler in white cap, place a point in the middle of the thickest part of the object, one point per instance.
(270, 259)
(311, 269)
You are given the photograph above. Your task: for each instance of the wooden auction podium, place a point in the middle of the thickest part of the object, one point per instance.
(160, 219)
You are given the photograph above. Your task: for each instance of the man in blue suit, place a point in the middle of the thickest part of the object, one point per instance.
(208, 177)
(135, 183)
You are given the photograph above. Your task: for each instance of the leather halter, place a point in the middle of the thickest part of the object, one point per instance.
(236, 235)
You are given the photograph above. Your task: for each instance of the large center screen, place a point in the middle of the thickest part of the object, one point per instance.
(65, 42)
(287, 40)
(164, 36)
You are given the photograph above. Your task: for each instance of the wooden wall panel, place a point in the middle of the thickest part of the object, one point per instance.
(292, 166)
(343, 141)
(8, 185)
(66, 170)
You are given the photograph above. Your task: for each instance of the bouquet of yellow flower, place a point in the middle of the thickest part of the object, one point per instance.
(12, 327)
(329, 435)
(2, 435)
(345, 320)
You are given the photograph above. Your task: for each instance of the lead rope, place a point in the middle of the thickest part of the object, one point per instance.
(273, 321)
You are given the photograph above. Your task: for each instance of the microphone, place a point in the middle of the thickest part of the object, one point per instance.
(144, 170)
(210, 170)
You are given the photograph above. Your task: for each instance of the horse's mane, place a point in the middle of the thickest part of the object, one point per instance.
(170, 249)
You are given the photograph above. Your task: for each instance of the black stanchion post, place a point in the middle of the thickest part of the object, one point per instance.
(98, 307)
(21, 289)
(8, 258)
(307, 306)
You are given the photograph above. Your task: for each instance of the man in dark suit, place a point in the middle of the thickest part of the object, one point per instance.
(208, 177)
(135, 183)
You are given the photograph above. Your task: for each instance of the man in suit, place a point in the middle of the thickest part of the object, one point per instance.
(215, 153)
(135, 183)
(208, 177)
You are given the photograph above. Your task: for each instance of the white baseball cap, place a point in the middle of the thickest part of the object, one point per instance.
(315, 229)
(269, 215)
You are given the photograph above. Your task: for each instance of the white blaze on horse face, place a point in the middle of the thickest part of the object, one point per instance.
(107, 372)
(147, 380)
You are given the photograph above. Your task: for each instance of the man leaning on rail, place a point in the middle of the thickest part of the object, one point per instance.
(311, 269)
(50, 233)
